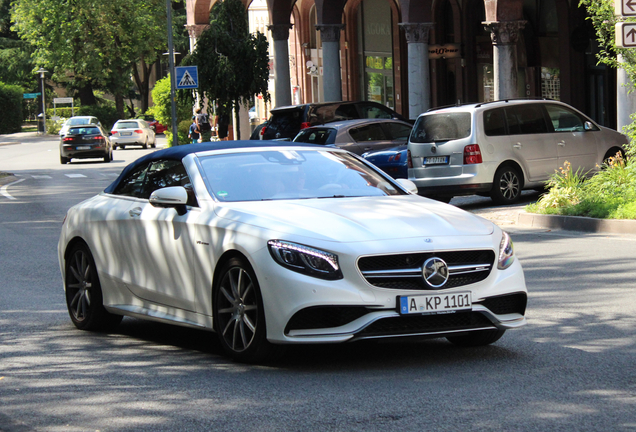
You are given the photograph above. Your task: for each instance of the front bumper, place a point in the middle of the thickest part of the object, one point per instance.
(352, 309)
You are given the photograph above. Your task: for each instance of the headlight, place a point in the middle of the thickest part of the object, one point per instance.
(305, 259)
(506, 252)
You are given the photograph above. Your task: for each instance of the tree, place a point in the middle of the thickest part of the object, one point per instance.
(16, 66)
(93, 44)
(233, 64)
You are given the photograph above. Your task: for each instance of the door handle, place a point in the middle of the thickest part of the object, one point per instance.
(136, 212)
(561, 143)
(517, 146)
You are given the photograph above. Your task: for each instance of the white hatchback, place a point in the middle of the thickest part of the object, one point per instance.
(271, 244)
(500, 148)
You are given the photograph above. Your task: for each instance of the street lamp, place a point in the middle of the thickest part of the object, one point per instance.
(42, 71)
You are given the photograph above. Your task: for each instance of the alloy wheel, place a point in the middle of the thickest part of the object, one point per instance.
(79, 286)
(238, 309)
(509, 185)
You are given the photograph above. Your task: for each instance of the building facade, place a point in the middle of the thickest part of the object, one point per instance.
(412, 55)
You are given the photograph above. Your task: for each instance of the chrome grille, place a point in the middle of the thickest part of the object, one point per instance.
(404, 271)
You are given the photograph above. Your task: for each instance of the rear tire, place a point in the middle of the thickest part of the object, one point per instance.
(145, 146)
(84, 298)
(611, 153)
(64, 160)
(109, 156)
(477, 338)
(506, 186)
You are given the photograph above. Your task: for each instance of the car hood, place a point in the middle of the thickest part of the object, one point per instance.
(357, 219)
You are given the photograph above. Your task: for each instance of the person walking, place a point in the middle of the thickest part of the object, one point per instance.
(194, 132)
(222, 123)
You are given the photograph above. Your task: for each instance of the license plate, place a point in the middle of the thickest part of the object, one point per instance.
(435, 303)
(83, 147)
(435, 160)
(126, 133)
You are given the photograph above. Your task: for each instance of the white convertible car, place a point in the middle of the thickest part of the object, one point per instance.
(273, 243)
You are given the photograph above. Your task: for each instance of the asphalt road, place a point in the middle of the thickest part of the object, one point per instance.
(571, 369)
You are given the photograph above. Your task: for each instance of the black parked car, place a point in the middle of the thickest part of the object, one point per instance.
(84, 142)
(286, 122)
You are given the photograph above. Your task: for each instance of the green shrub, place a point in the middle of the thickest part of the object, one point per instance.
(53, 127)
(162, 109)
(10, 108)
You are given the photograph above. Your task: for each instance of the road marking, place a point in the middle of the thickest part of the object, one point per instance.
(41, 177)
(3, 189)
(74, 175)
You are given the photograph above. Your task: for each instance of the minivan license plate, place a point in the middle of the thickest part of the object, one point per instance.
(435, 303)
(435, 160)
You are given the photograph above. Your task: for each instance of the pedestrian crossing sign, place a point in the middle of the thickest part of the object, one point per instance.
(187, 77)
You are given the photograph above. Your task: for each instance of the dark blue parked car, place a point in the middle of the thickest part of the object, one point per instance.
(392, 161)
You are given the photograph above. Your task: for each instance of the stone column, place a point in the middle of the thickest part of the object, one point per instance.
(332, 79)
(418, 67)
(504, 35)
(194, 31)
(282, 92)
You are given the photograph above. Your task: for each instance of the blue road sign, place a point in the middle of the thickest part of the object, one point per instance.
(30, 95)
(187, 77)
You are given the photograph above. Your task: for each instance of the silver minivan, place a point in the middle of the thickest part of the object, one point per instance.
(500, 148)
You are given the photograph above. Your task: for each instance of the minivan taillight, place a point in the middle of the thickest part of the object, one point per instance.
(472, 154)
(409, 161)
(304, 125)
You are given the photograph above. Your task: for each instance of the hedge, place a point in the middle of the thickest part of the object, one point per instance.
(10, 108)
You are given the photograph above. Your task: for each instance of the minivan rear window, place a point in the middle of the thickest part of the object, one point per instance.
(441, 127)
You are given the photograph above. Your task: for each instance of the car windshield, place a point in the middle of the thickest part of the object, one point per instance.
(316, 136)
(441, 127)
(78, 121)
(126, 125)
(292, 174)
(83, 131)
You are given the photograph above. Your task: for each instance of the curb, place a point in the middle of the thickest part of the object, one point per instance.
(578, 223)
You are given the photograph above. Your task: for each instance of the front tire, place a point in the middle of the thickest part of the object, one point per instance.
(477, 338)
(506, 186)
(84, 294)
(239, 315)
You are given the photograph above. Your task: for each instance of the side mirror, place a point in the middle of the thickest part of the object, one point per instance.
(589, 126)
(408, 185)
(171, 197)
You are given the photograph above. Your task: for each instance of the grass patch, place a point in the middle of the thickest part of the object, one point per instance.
(609, 194)
(29, 128)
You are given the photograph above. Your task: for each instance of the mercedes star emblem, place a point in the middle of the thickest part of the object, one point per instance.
(435, 272)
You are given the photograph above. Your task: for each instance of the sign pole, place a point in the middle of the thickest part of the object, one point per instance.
(173, 106)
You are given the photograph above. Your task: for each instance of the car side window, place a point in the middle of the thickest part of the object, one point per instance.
(494, 122)
(167, 173)
(564, 120)
(371, 132)
(397, 131)
(526, 119)
(133, 184)
(372, 111)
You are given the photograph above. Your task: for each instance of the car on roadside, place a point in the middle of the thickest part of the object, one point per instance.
(78, 121)
(156, 127)
(85, 142)
(499, 148)
(357, 136)
(275, 243)
(393, 161)
(286, 122)
(132, 132)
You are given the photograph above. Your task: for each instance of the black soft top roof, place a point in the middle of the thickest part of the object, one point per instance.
(179, 152)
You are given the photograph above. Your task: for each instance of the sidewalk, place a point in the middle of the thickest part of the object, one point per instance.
(20, 137)
(517, 216)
